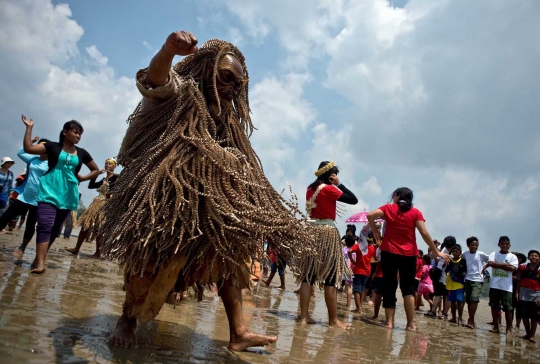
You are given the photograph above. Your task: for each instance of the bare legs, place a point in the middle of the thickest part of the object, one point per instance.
(241, 337)
(305, 296)
(357, 302)
(530, 329)
(20, 250)
(38, 267)
(377, 299)
(331, 298)
(80, 240)
(408, 302)
(473, 306)
(508, 317)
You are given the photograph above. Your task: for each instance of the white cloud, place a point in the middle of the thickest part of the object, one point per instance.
(40, 78)
(96, 55)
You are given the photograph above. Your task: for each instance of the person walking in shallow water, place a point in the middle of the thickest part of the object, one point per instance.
(322, 196)
(59, 187)
(399, 251)
(90, 220)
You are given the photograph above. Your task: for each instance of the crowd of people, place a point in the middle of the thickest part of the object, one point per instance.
(192, 208)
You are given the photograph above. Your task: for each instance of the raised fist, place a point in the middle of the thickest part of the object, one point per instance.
(181, 43)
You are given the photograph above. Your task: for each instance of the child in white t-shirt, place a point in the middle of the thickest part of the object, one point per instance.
(503, 264)
(474, 280)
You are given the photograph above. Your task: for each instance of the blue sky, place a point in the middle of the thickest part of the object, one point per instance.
(438, 96)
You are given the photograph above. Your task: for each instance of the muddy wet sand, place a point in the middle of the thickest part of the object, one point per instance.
(66, 314)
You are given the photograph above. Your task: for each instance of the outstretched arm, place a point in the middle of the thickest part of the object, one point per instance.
(28, 144)
(177, 43)
(421, 226)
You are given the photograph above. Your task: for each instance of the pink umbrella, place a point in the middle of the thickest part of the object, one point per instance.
(359, 217)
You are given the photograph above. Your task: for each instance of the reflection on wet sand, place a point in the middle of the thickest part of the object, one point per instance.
(66, 315)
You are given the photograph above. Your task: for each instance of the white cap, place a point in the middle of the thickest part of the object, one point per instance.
(5, 160)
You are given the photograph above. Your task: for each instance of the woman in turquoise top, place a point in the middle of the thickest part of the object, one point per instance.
(59, 187)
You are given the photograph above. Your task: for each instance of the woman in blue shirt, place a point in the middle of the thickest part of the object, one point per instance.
(59, 187)
(28, 192)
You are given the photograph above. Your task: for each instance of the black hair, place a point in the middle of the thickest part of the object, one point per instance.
(427, 259)
(420, 252)
(504, 238)
(350, 240)
(471, 239)
(405, 198)
(325, 178)
(351, 227)
(457, 246)
(70, 125)
(448, 242)
(532, 252)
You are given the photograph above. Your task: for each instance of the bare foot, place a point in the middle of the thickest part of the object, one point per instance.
(495, 331)
(250, 339)
(356, 311)
(308, 321)
(266, 283)
(411, 328)
(339, 324)
(72, 251)
(509, 332)
(38, 269)
(95, 256)
(282, 287)
(124, 333)
(452, 321)
(370, 303)
(374, 318)
(469, 326)
(18, 253)
(388, 326)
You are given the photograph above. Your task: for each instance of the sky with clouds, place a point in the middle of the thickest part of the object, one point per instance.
(438, 96)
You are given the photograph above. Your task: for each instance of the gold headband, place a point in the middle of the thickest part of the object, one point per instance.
(111, 160)
(324, 169)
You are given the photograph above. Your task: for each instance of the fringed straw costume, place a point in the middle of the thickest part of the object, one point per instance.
(93, 215)
(192, 201)
(324, 263)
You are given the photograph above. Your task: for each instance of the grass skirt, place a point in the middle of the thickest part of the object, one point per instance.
(93, 215)
(324, 259)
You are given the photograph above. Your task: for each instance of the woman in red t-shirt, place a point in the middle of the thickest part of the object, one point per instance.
(399, 251)
(325, 262)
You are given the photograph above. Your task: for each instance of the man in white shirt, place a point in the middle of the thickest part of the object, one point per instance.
(474, 280)
(503, 264)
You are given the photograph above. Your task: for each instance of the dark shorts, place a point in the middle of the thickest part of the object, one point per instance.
(473, 291)
(456, 295)
(276, 268)
(498, 297)
(530, 310)
(359, 283)
(378, 285)
(439, 289)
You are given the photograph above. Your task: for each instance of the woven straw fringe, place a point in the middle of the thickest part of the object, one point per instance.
(193, 186)
(92, 216)
(324, 259)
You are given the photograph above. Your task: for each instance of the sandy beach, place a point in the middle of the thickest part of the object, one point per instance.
(65, 316)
